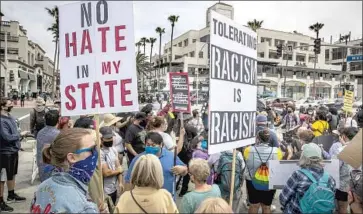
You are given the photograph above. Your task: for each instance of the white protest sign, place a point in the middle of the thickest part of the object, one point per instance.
(280, 171)
(232, 89)
(97, 58)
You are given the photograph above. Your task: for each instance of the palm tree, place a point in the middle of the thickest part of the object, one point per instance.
(160, 31)
(55, 31)
(142, 66)
(173, 19)
(144, 40)
(138, 45)
(316, 28)
(152, 41)
(255, 25)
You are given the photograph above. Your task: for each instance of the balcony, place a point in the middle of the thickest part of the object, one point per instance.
(10, 38)
(5, 23)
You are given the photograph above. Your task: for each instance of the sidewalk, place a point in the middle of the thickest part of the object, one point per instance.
(30, 103)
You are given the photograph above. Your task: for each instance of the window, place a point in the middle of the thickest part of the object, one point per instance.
(311, 59)
(278, 41)
(304, 48)
(191, 54)
(169, 58)
(268, 40)
(261, 55)
(169, 49)
(294, 44)
(300, 58)
(272, 55)
(327, 52)
(180, 44)
(287, 57)
(201, 54)
(356, 51)
(177, 57)
(337, 53)
(194, 40)
(185, 42)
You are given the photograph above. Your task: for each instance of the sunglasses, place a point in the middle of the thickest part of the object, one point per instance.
(90, 149)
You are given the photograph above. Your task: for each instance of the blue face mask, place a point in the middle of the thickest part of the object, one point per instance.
(204, 144)
(84, 169)
(152, 150)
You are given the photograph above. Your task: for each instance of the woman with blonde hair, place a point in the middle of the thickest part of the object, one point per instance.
(74, 156)
(214, 205)
(147, 195)
(199, 172)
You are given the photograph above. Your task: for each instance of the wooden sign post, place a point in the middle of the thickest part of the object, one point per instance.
(232, 178)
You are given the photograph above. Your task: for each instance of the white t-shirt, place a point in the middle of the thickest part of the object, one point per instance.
(167, 140)
(109, 156)
(117, 143)
(351, 123)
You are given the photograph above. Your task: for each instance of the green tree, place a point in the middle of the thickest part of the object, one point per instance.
(138, 45)
(54, 28)
(152, 41)
(172, 19)
(144, 40)
(255, 25)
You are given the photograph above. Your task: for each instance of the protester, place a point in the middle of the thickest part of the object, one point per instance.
(290, 120)
(158, 124)
(199, 172)
(356, 192)
(110, 120)
(134, 137)
(305, 136)
(85, 123)
(214, 205)
(111, 167)
(298, 196)
(333, 118)
(74, 155)
(262, 123)
(257, 158)
(154, 145)
(148, 195)
(341, 194)
(349, 121)
(37, 114)
(197, 122)
(44, 138)
(320, 126)
(22, 99)
(9, 153)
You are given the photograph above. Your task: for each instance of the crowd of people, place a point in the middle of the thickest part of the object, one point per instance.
(144, 158)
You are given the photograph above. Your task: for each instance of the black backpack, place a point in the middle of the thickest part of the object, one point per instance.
(39, 119)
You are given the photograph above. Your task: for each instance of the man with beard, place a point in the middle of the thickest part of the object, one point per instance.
(9, 153)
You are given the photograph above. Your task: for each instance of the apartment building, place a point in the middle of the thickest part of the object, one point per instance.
(289, 76)
(27, 68)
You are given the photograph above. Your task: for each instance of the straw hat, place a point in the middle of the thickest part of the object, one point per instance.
(110, 119)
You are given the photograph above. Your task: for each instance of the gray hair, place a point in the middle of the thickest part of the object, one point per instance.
(306, 162)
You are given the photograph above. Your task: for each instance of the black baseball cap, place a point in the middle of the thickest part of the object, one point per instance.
(106, 132)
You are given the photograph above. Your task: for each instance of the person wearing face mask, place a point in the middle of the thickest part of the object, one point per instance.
(111, 167)
(290, 120)
(154, 145)
(199, 172)
(341, 194)
(134, 137)
(9, 153)
(74, 156)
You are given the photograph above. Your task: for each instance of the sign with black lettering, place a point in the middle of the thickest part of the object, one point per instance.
(97, 58)
(233, 85)
(179, 90)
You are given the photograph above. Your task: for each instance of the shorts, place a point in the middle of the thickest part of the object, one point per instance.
(341, 196)
(9, 162)
(257, 196)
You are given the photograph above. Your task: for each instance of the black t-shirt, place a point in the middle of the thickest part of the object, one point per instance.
(134, 137)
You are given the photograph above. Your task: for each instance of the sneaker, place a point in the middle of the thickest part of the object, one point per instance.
(15, 198)
(5, 208)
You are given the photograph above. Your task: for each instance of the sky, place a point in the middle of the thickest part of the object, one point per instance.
(339, 17)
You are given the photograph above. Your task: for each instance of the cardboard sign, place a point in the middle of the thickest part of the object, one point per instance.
(179, 90)
(233, 85)
(97, 58)
(280, 171)
(348, 101)
(352, 153)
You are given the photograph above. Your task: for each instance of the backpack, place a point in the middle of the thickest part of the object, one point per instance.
(224, 173)
(260, 179)
(39, 119)
(319, 198)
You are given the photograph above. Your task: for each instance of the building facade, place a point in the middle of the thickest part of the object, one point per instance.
(28, 69)
(291, 75)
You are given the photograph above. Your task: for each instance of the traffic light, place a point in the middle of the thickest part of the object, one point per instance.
(11, 77)
(317, 44)
(279, 50)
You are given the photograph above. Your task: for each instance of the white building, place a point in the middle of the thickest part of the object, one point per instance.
(27, 69)
(190, 54)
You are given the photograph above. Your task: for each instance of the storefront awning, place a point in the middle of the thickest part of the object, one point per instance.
(23, 75)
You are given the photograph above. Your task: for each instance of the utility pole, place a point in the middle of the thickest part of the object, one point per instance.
(341, 39)
(288, 50)
(317, 44)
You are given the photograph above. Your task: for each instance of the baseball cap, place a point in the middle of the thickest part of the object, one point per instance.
(84, 122)
(106, 132)
(311, 150)
(261, 118)
(140, 116)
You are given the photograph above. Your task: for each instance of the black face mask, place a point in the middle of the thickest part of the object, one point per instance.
(107, 143)
(289, 111)
(143, 123)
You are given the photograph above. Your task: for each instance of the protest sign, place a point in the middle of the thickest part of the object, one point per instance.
(97, 58)
(281, 170)
(352, 153)
(232, 90)
(179, 91)
(348, 101)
